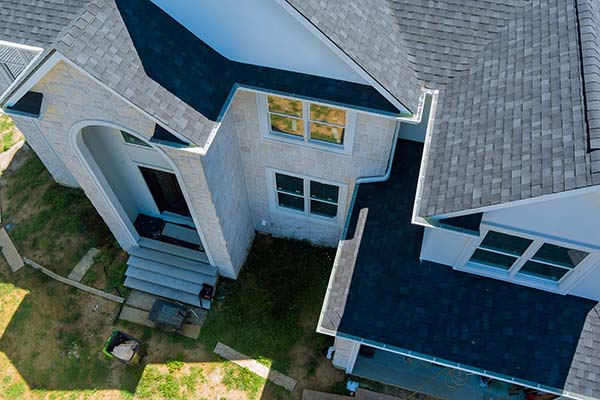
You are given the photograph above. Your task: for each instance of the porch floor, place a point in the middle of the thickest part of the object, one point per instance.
(154, 228)
(424, 377)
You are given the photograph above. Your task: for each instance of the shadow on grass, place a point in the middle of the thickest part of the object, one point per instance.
(55, 336)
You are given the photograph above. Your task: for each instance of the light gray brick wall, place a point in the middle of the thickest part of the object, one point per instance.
(370, 153)
(70, 98)
(227, 185)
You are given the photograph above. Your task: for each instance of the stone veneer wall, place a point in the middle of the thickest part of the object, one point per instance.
(370, 153)
(227, 186)
(71, 97)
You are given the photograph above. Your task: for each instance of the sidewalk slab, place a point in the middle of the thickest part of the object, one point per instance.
(83, 265)
(9, 251)
(259, 369)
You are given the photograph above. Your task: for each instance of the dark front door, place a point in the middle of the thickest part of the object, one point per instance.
(166, 191)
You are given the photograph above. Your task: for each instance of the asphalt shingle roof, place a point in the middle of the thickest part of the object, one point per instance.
(511, 118)
(514, 125)
(36, 22)
(210, 77)
(381, 292)
(589, 25)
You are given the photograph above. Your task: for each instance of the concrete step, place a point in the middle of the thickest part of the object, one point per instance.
(164, 280)
(170, 259)
(140, 300)
(163, 291)
(172, 271)
(144, 301)
(136, 316)
(174, 250)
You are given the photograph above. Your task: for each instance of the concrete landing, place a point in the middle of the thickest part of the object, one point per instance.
(83, 265)
(9, 251)
(137, 309)
(259, 369)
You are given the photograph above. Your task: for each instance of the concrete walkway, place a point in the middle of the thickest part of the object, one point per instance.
(9, 251)
(7, 156)
(83, 265)
(259, 369)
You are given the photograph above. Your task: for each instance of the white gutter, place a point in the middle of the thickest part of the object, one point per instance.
(416, 219)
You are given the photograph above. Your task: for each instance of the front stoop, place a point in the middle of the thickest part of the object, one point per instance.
(169, 271)
(137, 309)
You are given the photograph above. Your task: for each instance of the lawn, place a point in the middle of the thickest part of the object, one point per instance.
(9, 135)
(275, 303)
(51, 336)
(54, 225)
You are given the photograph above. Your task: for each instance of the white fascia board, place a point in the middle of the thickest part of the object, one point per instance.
(345, 57)
(36, 71)
(20, 46)
(531, 200)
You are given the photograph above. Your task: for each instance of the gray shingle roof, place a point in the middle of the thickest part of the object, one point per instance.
(513, 125)
(365, 31)
(404, 44)
(589, 19)
(380, 291)
(36, 22)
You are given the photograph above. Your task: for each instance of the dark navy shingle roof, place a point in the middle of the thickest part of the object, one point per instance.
(197, 74)
(396, 300)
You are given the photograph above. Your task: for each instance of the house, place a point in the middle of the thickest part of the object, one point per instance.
(449, 149)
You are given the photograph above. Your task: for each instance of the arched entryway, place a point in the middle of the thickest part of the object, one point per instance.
(141, 184)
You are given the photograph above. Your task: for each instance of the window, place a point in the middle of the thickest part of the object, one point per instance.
(307, 122)
(553, 262)
(310, 197)
(524, 257)
(129, 138)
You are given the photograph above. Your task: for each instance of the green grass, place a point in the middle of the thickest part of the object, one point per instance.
(52, 224)
(274, 304)
(238, 378)
(15, 391)
(156, 384)
(108, 271)
(8, 133)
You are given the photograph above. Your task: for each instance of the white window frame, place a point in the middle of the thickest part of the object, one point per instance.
(306, 179)
(305, 140)
(561, 286)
